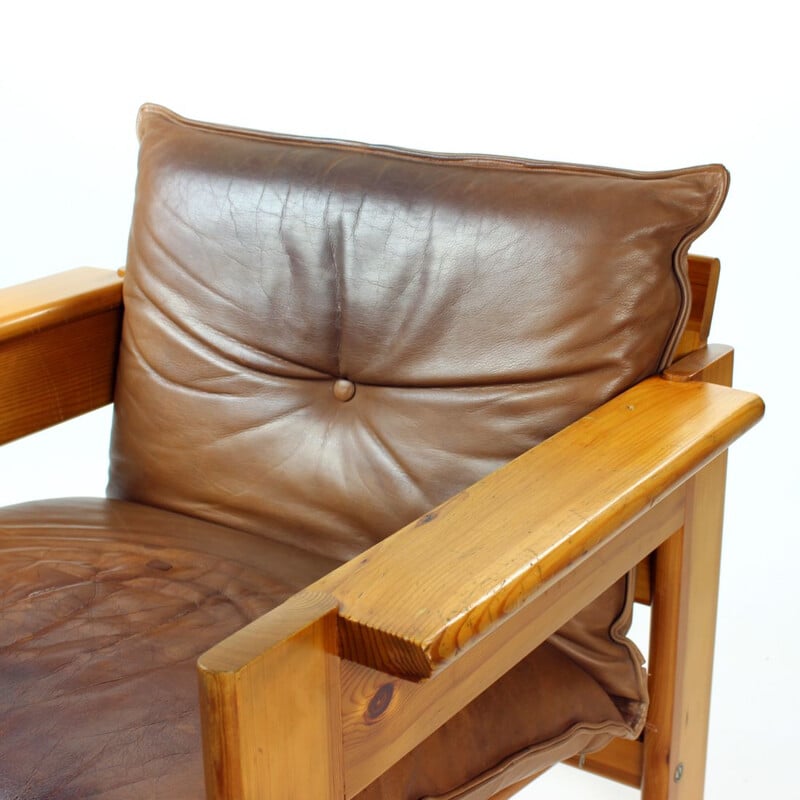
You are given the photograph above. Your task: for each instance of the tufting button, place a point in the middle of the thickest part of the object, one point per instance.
(344, 390)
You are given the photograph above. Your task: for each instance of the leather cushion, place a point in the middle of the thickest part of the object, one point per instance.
(106, 606)
(327, 339)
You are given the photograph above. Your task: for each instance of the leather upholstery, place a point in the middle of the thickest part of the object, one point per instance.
(323, 340)
(106, 606)
(476, 305)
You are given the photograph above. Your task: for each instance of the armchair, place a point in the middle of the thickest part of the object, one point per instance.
(397, 439)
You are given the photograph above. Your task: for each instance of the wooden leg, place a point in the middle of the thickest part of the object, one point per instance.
(682, 644)
(271, 709)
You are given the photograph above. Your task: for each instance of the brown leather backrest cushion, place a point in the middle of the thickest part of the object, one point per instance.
(322, 340)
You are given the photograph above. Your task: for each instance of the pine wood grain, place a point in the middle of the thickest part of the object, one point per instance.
(711, 363)
(603, 494)
(405, 607)
(59, 340)
(685, 588)
(659, 763)
(64, 297)
(644, 589)
(682, 644)
(621, 761)
(269, 699)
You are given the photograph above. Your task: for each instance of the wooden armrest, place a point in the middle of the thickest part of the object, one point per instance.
(59, 338)
(57, 299)
(413, 602)
(458, 596)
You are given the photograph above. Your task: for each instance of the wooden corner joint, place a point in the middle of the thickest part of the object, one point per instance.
(281, 626)
(712, 363)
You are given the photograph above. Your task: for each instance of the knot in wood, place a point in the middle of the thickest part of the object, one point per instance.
(380, 701)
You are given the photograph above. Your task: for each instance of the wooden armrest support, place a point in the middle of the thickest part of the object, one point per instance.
(59, 339)
(413, 602)
(275, 680)
(712, 363)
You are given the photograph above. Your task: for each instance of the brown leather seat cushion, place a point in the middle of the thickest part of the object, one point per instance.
(107, 604)
(105, 607)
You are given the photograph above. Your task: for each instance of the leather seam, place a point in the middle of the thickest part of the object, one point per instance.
(477, 160)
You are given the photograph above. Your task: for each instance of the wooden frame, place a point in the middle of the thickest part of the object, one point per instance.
(681, 581)
(356, 672)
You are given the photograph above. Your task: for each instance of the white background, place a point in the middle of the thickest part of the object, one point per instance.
(639, 85)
